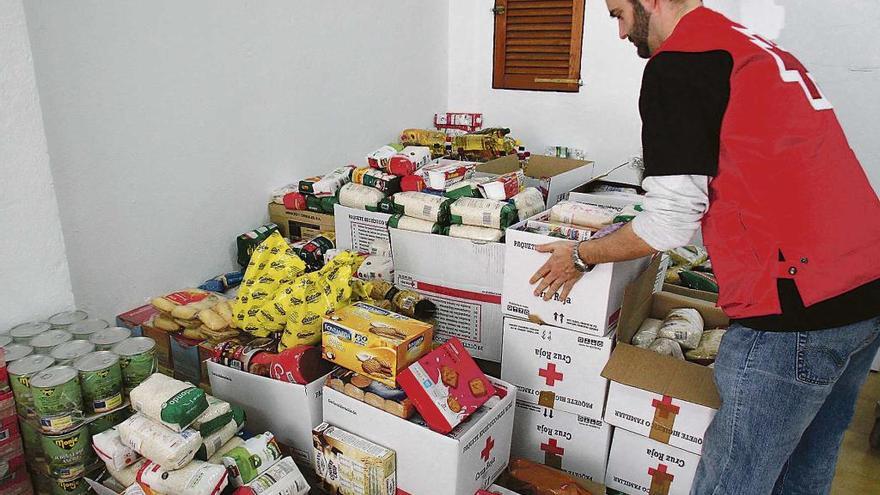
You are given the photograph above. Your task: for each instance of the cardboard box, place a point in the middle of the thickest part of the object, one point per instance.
(555, 177)
(300, 224)
(468, 459)
(694, 293)
(555, 367)
(875, 366)
(639, 465)
(463, 278)
(374, 341)
(163, 348)
(357, 229)
(573, 443)
(185, 356)
(206, 353)
(670, 400)
(347, 463)
(134, 318)
(592, 306)
(270, 405)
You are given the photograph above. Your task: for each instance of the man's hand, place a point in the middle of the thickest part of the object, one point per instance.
(558, 272)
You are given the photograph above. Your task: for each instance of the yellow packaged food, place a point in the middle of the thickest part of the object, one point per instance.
(373, 341)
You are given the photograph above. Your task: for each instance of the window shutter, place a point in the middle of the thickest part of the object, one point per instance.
(538, 44)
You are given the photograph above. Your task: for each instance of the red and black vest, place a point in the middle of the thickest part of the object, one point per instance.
(787, 182)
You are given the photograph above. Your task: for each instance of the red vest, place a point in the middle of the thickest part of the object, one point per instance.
(787, 179)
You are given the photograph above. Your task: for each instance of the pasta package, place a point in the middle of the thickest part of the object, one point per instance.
(434, 140)
(380, 158)
(667, 347)
(328, 185)
(409, 160)
(529, 202)
(647, 333)
(423, 206)
(482, 234)
(707, 351)
(112, 451)
(683, 325)
(404, 222)
(504, 187)
(481, 212)
(360, 197)
(196, 478)
(585, 215)
(387, 183)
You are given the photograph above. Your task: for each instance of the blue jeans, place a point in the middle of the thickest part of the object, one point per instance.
(787, 399)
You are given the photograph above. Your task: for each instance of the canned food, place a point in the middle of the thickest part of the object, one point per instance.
(137, 358)
(67, 455)
(14, 352)
(48, 340)
(20, 374)
(57, 398)
(105, 339)
(76, 486)
(65, 354)
(100, 378)
(82, 330)
(31, 439)
(64, 319)
(107, 421)
(22, 334)
(5, 340)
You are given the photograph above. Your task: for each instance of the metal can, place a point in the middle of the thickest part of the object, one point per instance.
(65, 354)
(5, 340)
(100, 378)
(68, 454)
(20, 374)
(105, 339)
(14, 352)
(64, 319)
(22, 334)
(82, 330)
(43, 485)
(105, 422)
(57, 398)
(48, 340)
(77, 486)
(137, 358)
(31, 439)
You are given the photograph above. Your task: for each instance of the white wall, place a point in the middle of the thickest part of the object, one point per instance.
(170, 122)
(34, 277)
(834, 42)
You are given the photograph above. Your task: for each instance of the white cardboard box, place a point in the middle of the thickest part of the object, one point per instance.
(470, 458)
(288, 410)
(357, 229)
(556, 367)
(592, 307)
(463, 278)
(573, 443)
(553, 176)
(639, 465)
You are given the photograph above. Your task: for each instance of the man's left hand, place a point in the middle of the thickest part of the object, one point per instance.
(558, 272)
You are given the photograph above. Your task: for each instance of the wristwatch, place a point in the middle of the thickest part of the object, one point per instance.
(579, 264)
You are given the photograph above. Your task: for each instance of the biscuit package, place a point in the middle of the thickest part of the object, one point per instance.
(348, 464)
(374, 341)
(376, 394)
(446, 386)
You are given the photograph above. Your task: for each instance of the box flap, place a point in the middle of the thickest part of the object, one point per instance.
(694, 293)
(637, 302)
(663, 375)
(713, 316)
(540, 166)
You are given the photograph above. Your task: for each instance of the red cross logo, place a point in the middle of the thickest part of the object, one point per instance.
(551, 448)
(487, 450)
(665, 407)
(659, 474)
(550, 374)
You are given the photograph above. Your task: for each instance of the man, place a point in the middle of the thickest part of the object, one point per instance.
(740, 141)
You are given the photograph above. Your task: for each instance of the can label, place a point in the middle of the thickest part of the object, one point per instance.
(22, 392)
(102, 389)
(67, 455)
(70, 487)
(104, 423)
(137, 368)
(59, 407)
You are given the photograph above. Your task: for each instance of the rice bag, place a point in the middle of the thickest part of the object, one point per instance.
(127, 476)
(215, 417)
(707, 351)
(442, 173)
(196, 478)
(482, 212)
(247, 462)
(558, 230)
(683, 325)
(233, 442)
(628, 213)
(667, 347)
(157, 443)
(504, 187)
(283, 478)
(173, 403)
(214, 442)
(376, 267)
(329, 184)
(360, 197)
(647, 333)
(409, 160)
(592, 216)
(528, 203)
(381, 157)
(699, 280)
(112, 451)
(387, 183)
(404, 222)
(483, 234)
(423, 206)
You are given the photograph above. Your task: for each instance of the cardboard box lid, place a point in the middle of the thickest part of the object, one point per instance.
(538, 166)
(687, 291)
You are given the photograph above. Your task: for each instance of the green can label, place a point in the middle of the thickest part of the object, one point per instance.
(67, 455)
(71, 487)
(22, 392)
(33, 447)
(59, 407)
(104, 423)
(137, 368)
(102, 389)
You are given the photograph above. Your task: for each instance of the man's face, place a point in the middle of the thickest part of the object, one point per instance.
(632, 23)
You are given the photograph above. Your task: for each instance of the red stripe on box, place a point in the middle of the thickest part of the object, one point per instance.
(461, 294)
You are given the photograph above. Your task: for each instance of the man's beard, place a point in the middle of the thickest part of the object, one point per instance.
(639, 34)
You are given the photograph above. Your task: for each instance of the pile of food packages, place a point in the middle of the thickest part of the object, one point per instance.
(92, 405)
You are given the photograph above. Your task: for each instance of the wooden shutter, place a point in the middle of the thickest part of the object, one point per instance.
(538, 44)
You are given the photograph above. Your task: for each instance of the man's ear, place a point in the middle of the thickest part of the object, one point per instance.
(650, 6)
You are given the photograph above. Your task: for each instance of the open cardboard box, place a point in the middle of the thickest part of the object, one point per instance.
(555, 177)
(667, 399)
(463, 278)
(357, 229)
(300, 224)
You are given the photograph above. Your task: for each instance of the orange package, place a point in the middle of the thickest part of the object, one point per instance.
(544, 480)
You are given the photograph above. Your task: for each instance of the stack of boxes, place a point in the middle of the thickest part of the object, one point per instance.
(14, 479)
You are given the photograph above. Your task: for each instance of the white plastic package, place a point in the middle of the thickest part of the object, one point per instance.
(376, 267)
(283, 478)
(196, 478)
(360, 197)
(112, 451)
(157, 443)
(592, 216)
(647, 333)
(483, 234)
(529, 202)
(128, 475)
(667, 347)
(683, 325)
(708, 348)
(173, 403)
(216, 410)
(233, 442)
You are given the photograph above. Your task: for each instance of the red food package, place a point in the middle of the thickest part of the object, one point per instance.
(414, 183)
(301, 364)
(294, 201)
(446, 386)
(544, 480)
